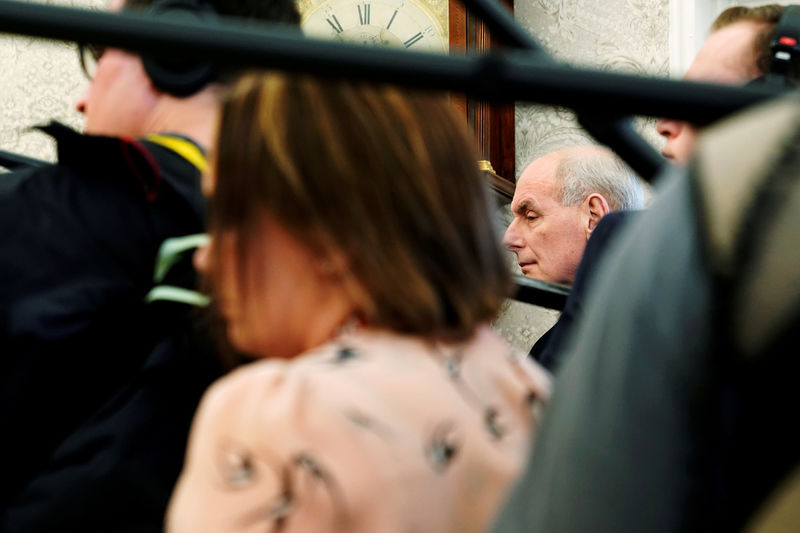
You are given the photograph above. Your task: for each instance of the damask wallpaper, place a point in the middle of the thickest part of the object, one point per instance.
(629, 36)
(42, 81)
(618, 35)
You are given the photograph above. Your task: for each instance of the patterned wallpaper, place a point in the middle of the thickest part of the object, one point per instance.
(42, 80)
(618, 35)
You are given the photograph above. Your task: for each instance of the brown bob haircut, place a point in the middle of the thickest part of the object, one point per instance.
(767, 15)
(386, 179)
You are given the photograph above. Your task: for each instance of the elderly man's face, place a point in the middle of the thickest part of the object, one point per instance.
(547, 237)
(727, 57)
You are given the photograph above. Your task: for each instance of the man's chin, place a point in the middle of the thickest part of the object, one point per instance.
(533, 271)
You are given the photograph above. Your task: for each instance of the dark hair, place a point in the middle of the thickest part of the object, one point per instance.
(767, 15)
(387, 179)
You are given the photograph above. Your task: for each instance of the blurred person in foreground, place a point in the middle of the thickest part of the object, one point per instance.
(353, 251)
(103, 363)
(737, 51)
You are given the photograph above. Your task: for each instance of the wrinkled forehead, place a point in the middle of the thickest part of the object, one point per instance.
(537, 185)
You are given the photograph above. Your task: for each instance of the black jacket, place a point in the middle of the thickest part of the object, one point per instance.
(548, 350)
(98, 387)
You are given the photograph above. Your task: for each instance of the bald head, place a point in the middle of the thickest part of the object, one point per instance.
(585, 170)
(557, 203)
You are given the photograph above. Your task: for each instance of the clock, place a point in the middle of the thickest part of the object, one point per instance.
(419, 25)
(440, 26)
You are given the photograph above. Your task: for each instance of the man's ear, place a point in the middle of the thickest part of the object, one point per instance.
(597, 207)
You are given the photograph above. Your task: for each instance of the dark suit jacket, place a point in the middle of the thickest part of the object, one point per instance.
(548, 350)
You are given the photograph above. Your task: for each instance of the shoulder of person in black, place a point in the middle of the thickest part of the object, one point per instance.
(84, 356)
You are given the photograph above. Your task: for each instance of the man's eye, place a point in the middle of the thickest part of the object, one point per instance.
(531, 218)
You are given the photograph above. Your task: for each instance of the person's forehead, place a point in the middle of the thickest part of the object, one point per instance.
(537, 183)
(727, 56)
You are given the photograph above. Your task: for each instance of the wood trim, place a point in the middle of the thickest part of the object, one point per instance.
(493, 124)
(502, 188)
(457, 34)
(457, 31)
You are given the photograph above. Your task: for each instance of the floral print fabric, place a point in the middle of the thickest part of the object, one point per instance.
(372, 432)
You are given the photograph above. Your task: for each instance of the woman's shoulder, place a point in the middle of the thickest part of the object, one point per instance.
(374, 358)
(373, 410)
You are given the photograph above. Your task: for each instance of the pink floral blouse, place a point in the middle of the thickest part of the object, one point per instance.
(373, 432)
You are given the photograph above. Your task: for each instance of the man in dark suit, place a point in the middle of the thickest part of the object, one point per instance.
(559, 203)
(674, 408)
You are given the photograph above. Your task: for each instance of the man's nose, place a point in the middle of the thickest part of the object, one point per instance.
(511, 239)
(668, 128)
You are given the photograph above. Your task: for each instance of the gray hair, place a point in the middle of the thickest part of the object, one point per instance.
(601, 172)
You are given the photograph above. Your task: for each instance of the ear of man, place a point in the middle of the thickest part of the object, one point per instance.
(596, 208)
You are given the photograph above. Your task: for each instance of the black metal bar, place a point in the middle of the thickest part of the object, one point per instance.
(541, 293)
(510, 76)
(12, 161)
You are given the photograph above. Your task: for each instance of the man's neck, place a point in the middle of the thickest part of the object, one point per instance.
(194, 117)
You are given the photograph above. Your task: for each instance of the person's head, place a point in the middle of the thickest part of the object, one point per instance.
(333, 203)
(736, 52)
(121, 99)
(558, 201)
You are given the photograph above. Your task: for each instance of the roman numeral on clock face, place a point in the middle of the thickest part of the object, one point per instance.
(337, 27)
(391, 19)
(413, 40)
(406, 24)
(363, 14)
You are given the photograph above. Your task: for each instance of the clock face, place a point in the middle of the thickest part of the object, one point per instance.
(401, 23)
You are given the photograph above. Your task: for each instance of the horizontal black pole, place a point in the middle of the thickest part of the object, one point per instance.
(511, 76)
(541, 293)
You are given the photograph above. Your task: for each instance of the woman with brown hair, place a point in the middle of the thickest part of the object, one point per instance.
(352, 234)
